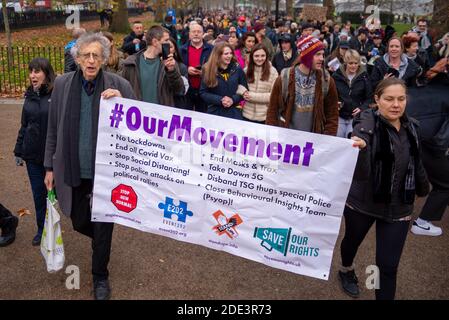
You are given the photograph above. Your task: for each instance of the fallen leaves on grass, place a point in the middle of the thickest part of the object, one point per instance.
(59, 35)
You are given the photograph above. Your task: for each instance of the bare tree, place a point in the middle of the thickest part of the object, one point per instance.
(160, 6)
(440, 21)
(330, 8)
(7, 30)
(289, 7)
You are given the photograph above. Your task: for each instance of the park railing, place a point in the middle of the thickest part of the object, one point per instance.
(14, 69)
(38, 18)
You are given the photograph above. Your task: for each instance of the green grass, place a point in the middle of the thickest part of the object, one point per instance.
(14, 73)
(401, 28)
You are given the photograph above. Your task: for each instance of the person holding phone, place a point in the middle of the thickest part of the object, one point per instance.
(155, 65)
(395, 63)
(195, 54)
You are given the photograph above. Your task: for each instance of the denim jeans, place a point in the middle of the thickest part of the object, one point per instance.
(36, 173)
(344, 127)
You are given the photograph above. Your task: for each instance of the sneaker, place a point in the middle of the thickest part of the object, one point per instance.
(349, 283)
(426, 229)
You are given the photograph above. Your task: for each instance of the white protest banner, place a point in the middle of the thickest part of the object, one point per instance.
(268, 194)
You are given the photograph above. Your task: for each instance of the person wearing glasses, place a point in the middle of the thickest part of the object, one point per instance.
(425, 40)
(71, 142)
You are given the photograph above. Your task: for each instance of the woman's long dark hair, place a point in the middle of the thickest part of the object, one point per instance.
(42, 64)
(242, 40)
(177, 55)
(251, 65)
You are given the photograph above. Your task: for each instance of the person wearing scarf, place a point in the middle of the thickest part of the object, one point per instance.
(425, 42)
(389, 174)
(395, 63)
(71, 145)
(287, 53)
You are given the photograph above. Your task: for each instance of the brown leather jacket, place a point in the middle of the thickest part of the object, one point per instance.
(325, 110)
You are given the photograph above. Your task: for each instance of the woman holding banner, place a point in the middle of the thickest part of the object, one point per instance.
(388, 175)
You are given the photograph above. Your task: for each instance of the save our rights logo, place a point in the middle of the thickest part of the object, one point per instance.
(285, 242)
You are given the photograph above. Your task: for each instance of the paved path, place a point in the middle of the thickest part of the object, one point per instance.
(146, 266)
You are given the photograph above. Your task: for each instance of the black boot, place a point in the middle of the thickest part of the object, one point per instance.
(9, 227)
(102, 290)
(349, 283)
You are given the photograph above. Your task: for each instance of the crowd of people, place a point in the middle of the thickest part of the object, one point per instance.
(320, 77)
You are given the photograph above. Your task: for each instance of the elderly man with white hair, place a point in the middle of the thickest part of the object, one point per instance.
(71, 144)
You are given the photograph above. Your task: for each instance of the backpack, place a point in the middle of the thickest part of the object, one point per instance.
(285, 74)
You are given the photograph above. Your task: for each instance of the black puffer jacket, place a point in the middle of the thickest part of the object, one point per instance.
(279, 61)
(129, 47)
(380, 69)
(30, 145)
(430, 106)
(369, 194)
(355, 94)
(422, 60)
(361, 47)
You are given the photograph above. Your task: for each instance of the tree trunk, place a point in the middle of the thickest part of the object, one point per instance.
(289, 7)
(160, 8)
(268, 6)
(440, 21)
(120, 22)
(7, 31)
(330, 8)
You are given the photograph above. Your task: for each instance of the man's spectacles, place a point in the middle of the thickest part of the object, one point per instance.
(86, 56)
